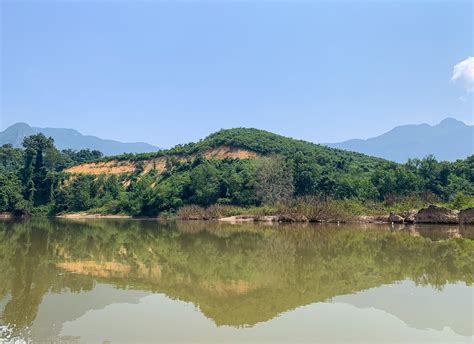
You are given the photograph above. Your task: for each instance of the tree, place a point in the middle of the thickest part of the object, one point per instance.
(11, 159)
(38, 148)
(143, 199)
(274, 181)
(80, 194)
(72, 157)
(237, 184)
(205, 184)
(306, 175)
(11, 199)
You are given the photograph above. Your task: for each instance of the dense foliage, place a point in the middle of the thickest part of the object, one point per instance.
(31, 179)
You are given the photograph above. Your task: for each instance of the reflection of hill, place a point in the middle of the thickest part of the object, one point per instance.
(236, 275)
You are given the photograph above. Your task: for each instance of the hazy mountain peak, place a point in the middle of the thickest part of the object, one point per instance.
(450, 139)
(72, 139)
(450, 121)
(19, 125)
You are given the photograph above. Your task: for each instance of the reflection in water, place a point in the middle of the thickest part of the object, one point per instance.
(57, 274)
(420, 307)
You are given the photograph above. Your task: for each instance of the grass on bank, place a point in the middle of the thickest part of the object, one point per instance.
(313, 208)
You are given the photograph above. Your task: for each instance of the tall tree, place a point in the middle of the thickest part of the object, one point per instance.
(274, 181)
(36, 181)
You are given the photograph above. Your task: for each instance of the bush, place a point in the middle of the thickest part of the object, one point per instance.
(461, 201)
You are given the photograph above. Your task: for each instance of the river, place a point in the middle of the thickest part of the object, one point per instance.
(146, 281)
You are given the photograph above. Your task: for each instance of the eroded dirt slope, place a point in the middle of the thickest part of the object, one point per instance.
(159, 163)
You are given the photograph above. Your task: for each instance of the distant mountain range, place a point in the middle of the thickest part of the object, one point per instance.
(72, 139)
(449, 140)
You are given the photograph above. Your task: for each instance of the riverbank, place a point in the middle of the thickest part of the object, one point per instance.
(326, 213)
(298, 213)
(299, 218)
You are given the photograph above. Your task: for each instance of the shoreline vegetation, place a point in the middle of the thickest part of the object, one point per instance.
(234, 175)
(299, 212)
(314, 210)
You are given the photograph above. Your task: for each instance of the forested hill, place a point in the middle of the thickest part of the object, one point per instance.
(241, 167)
(260, 142)
(237, 143)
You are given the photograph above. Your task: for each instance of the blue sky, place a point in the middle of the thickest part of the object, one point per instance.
(173, 72)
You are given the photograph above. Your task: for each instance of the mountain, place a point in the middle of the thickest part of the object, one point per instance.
(72, 139)
(449, 140)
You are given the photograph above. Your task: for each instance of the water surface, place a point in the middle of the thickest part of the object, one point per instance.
(93, 281)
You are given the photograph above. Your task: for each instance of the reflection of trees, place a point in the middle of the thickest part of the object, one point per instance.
(27, 270)
(236, 275)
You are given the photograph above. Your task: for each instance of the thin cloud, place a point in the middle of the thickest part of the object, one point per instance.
(463, 72)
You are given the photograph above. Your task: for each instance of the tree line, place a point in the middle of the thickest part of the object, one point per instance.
(32, 179)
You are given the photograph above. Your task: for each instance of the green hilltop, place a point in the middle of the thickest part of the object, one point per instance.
(256, 140)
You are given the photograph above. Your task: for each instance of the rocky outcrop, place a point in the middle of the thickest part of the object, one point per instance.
(250, 218)
(431, 214)
(267, 218)
(373, 219)
(292, 218)
(410, 216)
(395, 218)
(434, 214)
(466, 216)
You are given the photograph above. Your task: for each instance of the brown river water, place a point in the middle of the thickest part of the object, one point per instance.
(146, 281)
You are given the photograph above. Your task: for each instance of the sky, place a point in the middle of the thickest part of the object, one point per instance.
(169, 72)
